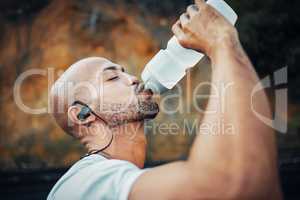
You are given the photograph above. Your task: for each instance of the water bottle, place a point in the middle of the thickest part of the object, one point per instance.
(169, 65)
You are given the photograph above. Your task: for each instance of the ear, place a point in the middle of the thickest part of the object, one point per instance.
(73, 112)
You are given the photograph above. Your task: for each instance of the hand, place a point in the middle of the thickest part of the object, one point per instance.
(203, 28)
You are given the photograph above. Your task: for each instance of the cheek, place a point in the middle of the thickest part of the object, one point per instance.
(119, 93)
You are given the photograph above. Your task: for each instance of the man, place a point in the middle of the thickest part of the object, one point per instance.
(107, 110)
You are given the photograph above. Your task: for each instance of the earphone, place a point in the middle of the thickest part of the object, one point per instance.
(84, 113)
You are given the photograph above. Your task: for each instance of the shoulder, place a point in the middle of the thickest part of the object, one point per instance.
(96, 177)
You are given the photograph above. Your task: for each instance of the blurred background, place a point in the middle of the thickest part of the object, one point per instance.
(42, 34)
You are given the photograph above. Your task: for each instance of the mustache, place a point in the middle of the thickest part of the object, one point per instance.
(140, 87)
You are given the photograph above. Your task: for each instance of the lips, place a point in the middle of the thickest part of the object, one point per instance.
(140, 90)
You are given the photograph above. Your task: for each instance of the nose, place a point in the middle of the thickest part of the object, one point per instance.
(131, 80)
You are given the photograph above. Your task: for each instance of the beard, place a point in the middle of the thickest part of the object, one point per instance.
(116, 114)
(147, 109)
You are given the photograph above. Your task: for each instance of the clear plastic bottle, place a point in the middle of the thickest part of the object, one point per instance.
(169, 65)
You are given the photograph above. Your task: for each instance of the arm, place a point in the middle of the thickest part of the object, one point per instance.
(243, 151)
(238, 163)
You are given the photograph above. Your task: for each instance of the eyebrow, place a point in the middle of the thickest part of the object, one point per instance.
(113, 68)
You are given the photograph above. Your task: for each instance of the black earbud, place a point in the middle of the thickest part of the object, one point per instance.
(84, 113)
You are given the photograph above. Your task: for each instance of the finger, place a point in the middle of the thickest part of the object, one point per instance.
(199, 3)
(192, 10)
(178, 32)
(184, 19)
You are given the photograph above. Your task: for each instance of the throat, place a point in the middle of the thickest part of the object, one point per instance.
(126, 142)
(130, 144)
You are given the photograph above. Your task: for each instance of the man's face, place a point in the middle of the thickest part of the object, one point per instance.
(121, 97)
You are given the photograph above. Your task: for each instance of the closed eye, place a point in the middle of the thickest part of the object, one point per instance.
(113, 78)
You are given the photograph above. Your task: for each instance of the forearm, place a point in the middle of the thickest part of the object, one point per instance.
(241, 144)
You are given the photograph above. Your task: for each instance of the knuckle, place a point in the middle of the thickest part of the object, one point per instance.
(184, 44)
(182, 41)
(195, 7)
(185, 27)
(190, 7)
(180, 38)
(182, 25)
(205, 7)
(181, 17)
(173, 27)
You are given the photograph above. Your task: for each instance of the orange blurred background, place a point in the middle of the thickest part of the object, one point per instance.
(54, 34)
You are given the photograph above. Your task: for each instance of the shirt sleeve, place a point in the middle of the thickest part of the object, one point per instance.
(114, 181)
(129, 176)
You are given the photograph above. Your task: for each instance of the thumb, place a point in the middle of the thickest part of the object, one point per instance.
(199, 2)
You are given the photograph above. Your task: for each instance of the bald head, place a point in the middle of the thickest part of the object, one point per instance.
(77, 83)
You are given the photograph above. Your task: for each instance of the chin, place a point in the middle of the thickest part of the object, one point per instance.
(150, 116)
(147, 107)
(151, 112)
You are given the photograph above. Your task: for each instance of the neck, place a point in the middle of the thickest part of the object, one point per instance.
(129, 143)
